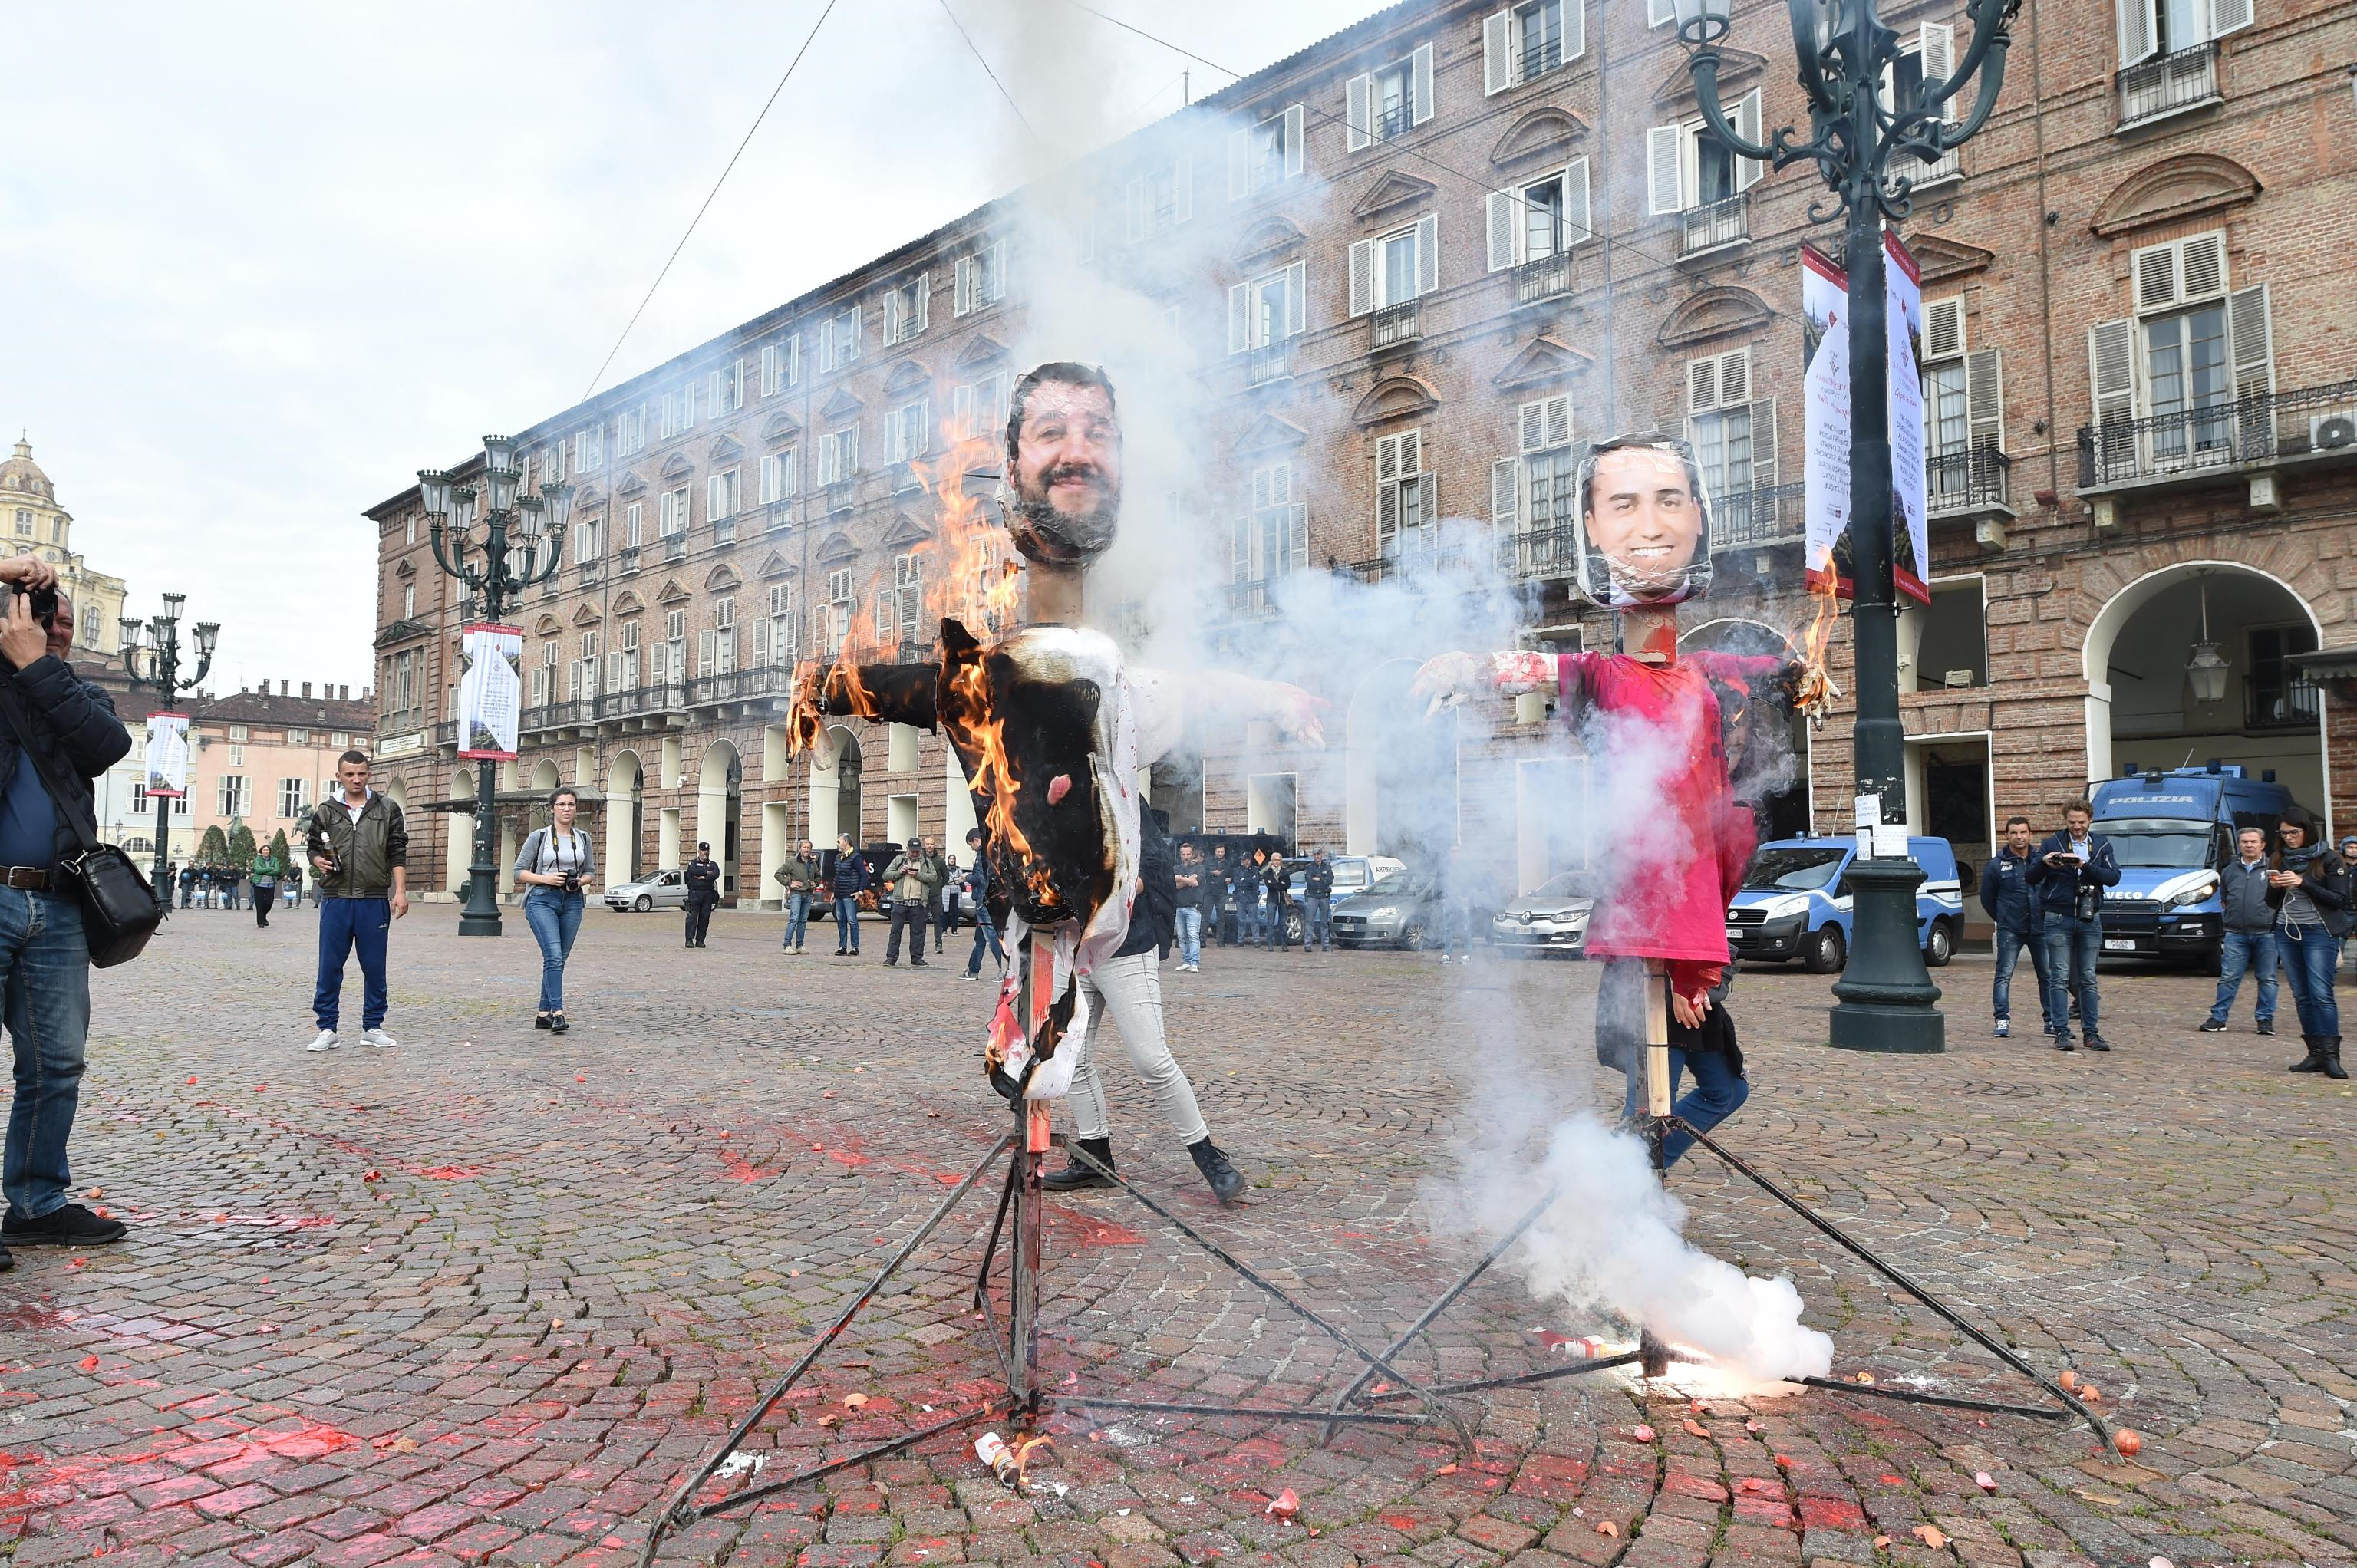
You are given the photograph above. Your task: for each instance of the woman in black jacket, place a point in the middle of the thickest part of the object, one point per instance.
(2309, 889)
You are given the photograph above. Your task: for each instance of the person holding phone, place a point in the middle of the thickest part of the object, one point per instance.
(552, 864)
(2310, 888)
(2070, 873)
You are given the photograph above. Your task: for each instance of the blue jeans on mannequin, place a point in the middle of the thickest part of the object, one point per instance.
(555, 916)
(846, 924)
(44, 975)
(2310, 954)
(1717, 1095)
(346, 926)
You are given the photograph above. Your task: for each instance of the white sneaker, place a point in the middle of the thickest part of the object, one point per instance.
(377, 1039)
(326, 1041)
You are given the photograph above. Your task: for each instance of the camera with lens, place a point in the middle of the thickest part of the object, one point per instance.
(573, 882)
(45, 602)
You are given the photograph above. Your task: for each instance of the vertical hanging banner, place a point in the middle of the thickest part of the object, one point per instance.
(1825, 404)
(1902, 282)
(490, 686)
(167, 755)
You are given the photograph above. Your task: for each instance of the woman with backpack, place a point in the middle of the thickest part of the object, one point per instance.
(552, 863)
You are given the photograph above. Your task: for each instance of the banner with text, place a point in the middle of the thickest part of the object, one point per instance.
(167, 755)
(1825, 402)
(490, 688)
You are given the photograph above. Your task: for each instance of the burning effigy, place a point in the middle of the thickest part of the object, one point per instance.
(1047, 719)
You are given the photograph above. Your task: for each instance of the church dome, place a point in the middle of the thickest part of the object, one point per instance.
(24, 476)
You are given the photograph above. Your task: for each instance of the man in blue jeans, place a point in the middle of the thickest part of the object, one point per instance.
(2248, 938)
(2012, 904)
(1190, 879)
(58, 733)
(799, 876)
(2070, 871)
(985, 929)
(359, 850)
(1317, 903)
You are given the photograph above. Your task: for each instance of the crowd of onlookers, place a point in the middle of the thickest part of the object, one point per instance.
(224, 887)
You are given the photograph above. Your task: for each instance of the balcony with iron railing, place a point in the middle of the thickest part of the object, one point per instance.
(555, 715)
(1407, 559)
(1715, 225)
(723, 529)
(1744, 519)
(630, 559)
(741, 685)
(2296, 705)
(1968, 482)
(1397, 324)
(2269, 431)
(1538, 57)
(446, 733)
(1949, 165)
(1394, 121)
(675, 547)
(1253, 598)
(1547, 277)
(590, 570)
(1269, 363)
(2168, 84)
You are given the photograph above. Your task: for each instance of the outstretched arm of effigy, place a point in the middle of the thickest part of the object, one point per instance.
(1163, 699)
(888, 694)
(1447, 679)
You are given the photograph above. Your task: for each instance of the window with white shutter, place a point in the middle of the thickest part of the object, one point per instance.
(1541, 219)
(1539, 486)
(588, 539)
(908, 431)
(1394, 268)
(981, 278)
(591, 654)
(589, 448)
(1267, 152)
(781, 364)
(838, 340)
(1273, 538)
(626, 674)
(2149, 28)
(670, 512)
(720, 496)
(781, 474)
(1526, 41)
(544, 678)
(1157, 202)
(906, 309)
(838, 457)
(780, 640)
(1733, 436)
(1268, 309)
(1687, 166)
(1407, 505)
(726, 391)
(978, 408)
(630, 430)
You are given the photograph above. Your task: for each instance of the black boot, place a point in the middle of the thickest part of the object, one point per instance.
(1075, 1175)
(1225, 1179)
(2332, 1045)
(2314, 1061)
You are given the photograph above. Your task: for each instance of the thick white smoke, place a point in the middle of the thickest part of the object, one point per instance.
(1145, 314)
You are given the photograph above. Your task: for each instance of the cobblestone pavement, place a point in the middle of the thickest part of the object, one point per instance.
(487, 1297)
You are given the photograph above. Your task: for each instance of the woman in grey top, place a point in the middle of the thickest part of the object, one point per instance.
(553, 863)
(2310, 891)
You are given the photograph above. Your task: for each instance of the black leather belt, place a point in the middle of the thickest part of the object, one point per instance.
(35, 877)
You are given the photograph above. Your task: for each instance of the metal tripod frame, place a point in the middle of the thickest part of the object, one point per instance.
(1018, 1344)
(1661, 1120)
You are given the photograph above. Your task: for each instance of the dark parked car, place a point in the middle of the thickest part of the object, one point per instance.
(1402, 910)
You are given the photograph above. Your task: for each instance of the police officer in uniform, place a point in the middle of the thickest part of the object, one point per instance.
(701, 875)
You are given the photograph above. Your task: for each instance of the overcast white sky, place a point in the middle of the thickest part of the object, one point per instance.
(262, 262)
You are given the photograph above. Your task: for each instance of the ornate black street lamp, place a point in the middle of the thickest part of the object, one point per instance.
(523, 545)
(151, 657)
(1847, 57)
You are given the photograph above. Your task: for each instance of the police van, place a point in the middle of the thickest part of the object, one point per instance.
(2171, 832)
(1795, 903)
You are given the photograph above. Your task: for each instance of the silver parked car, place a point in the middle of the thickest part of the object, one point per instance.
(1549, 918)
(655, 890)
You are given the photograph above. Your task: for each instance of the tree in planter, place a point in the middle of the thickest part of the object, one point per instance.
(240, 844)
(278, 847)
(212, 849)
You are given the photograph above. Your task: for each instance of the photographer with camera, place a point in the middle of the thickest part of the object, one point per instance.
(551, 864)
(58, 733)
(2070, 871)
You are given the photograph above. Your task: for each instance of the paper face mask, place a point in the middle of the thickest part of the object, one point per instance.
(1644, 523)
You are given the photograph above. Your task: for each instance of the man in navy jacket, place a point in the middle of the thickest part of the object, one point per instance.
(2015, 907)
(2070, 871)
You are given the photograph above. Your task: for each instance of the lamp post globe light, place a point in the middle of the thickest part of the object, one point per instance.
(151, 657)
(1885, 996)
(523, 543)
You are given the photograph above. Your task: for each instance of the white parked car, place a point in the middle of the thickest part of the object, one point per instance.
(655, 890)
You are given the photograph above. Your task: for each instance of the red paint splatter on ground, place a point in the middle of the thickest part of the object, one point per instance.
(735, 1167)
(1074, 1229)
(450, 1173)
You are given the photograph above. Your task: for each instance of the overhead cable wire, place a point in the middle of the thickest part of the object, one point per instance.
(715, 191)
(979, 61)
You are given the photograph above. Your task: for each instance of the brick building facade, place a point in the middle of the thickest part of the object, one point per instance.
(1420, 263)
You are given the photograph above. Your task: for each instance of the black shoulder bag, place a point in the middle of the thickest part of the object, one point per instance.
(119, 912)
